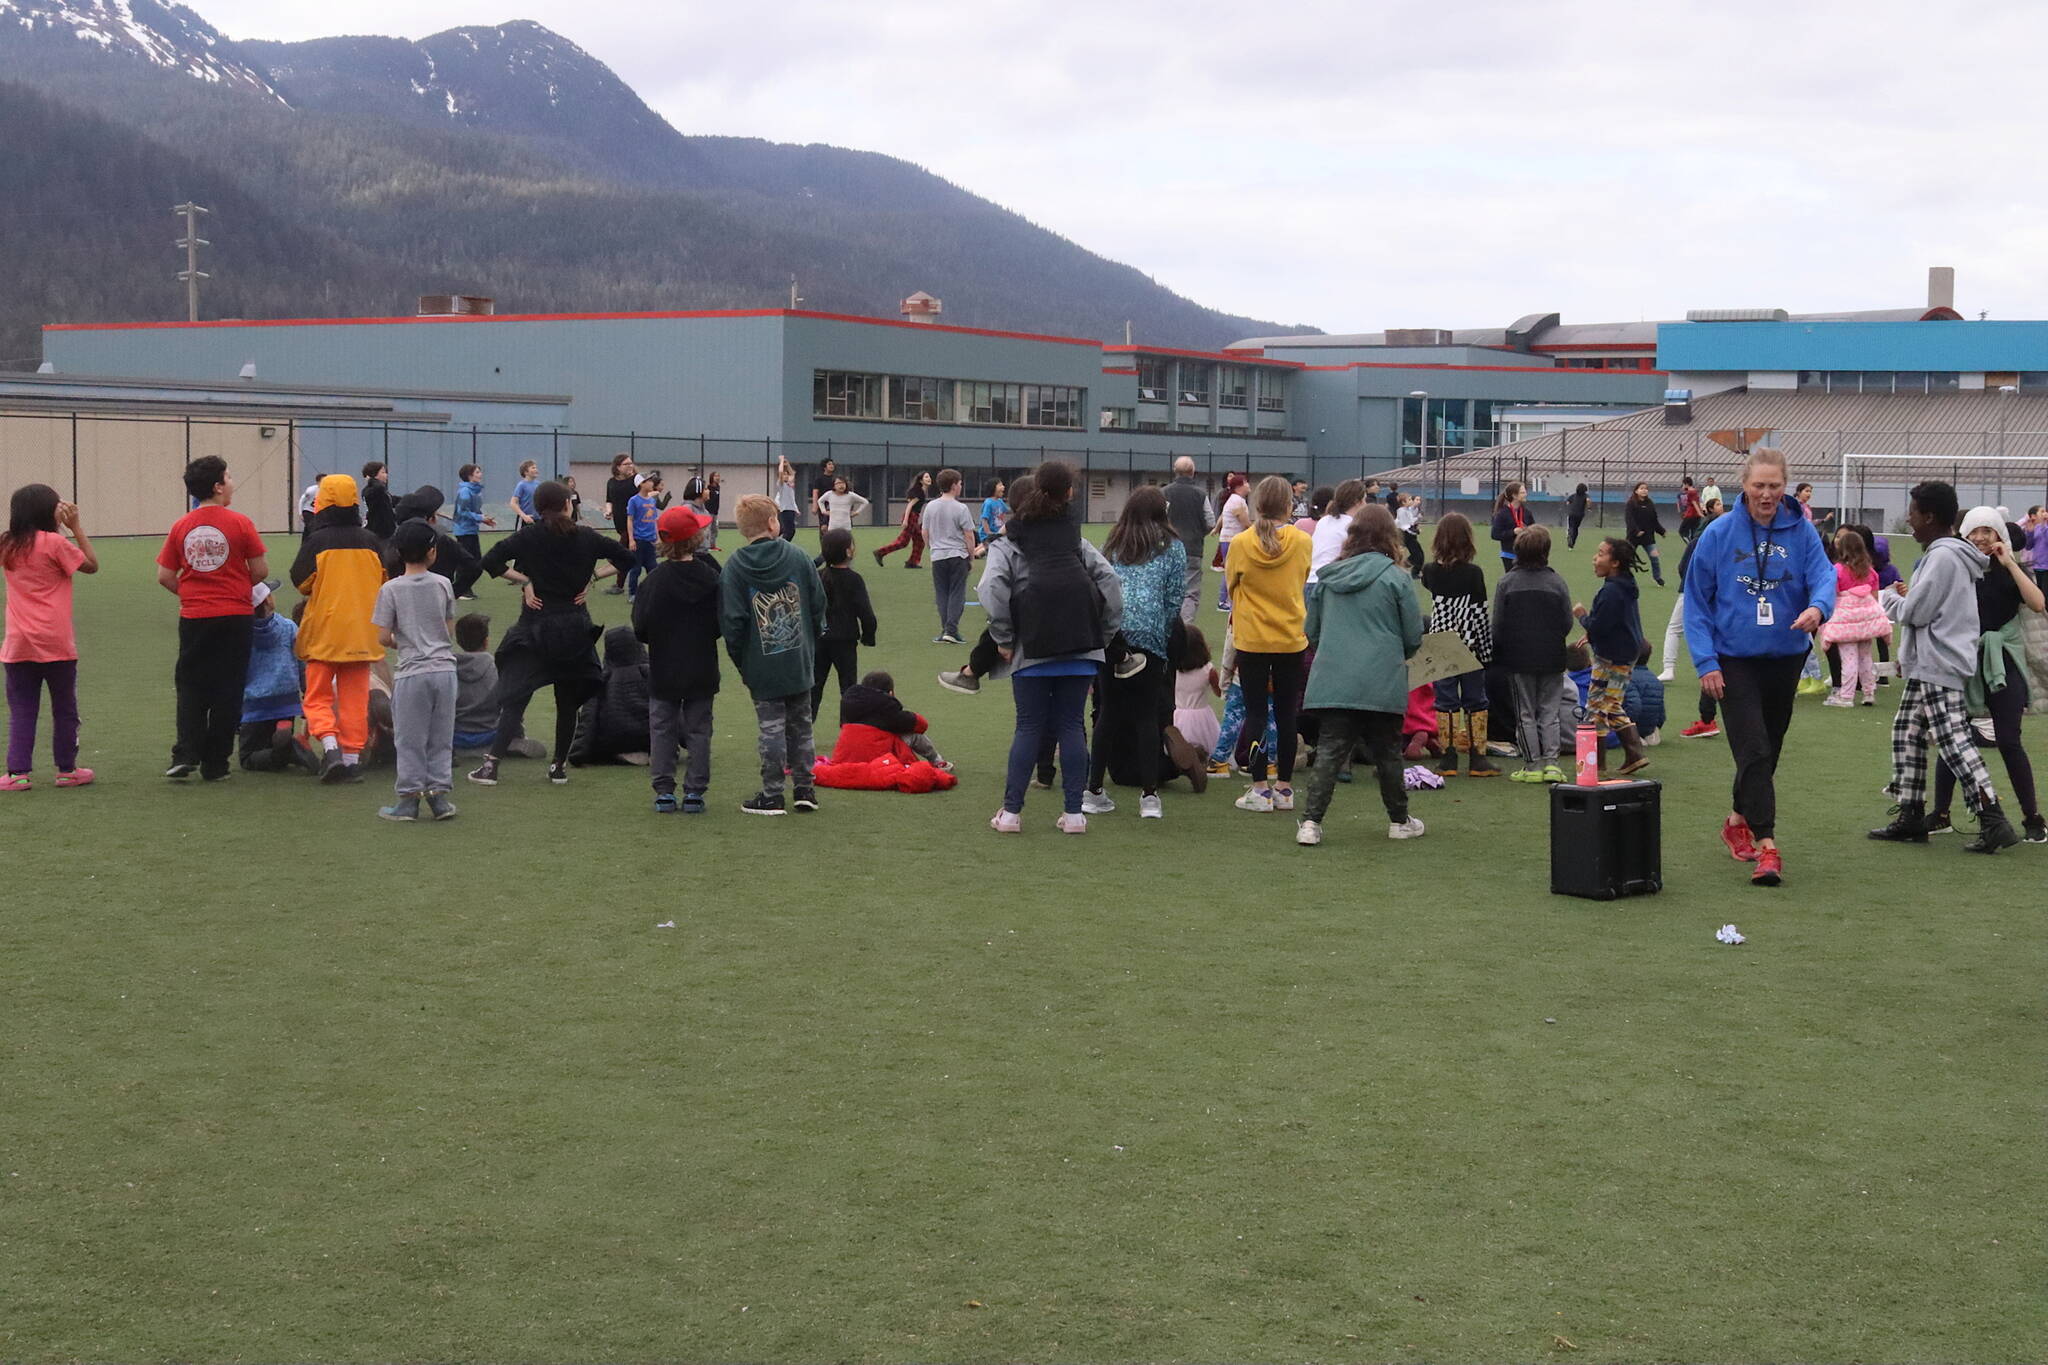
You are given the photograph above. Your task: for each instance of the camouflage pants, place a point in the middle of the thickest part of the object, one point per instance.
(785, 740)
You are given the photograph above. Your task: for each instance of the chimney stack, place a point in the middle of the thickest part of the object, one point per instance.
(1941, 286)
(922, 307)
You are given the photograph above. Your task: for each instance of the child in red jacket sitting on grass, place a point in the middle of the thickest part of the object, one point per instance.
(873, 723)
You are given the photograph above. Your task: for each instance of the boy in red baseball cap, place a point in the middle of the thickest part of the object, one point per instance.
(675, 614)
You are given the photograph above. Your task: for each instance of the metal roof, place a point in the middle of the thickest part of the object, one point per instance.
(1641, 333)
(258, 386)
(1813, 428)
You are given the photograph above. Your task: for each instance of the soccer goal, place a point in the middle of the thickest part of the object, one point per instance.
(1871, 489)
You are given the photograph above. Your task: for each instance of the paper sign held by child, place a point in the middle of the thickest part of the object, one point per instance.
(1442, 655)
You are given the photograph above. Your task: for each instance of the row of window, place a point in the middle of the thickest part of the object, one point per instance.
(1880, 381)
(970, 402)
(1196, 382)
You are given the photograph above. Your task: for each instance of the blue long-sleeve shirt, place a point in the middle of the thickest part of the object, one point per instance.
(469, 509)
(1725, 583)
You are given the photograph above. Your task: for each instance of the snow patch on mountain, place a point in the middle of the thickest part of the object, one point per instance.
(170, 36)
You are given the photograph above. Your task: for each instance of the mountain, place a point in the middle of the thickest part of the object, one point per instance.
(348, 175)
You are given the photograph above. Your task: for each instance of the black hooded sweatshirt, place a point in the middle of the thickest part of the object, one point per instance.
(614, 721)
(422, 504)
(676, 613)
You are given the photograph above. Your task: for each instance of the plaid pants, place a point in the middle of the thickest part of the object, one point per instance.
(1930, 712)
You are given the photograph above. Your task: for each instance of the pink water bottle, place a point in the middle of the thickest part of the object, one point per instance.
(1589, 756)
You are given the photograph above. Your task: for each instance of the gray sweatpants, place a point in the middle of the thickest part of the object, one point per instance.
(423, 731)
(684, 723)
(949, 590)
(1537, 733)
(785, 741)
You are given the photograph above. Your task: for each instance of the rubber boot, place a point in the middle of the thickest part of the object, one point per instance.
(1451, 733)
(1481, 765)
(1994, 831)
(1634, 757)
(1909, 826)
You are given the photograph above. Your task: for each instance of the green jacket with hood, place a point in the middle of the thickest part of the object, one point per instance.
(771, 611)
(1364, 623)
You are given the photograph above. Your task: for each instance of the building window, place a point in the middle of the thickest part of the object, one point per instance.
(1909, 381)
(916, 400)
(1153, 381)
(1233, 386)
(1813, 379)
(1272, 392)
(1194, 382)
(1938, 380)
(1877, 381)
(1150, 425)
(1119, 419)
(1196, 427)
(2030, 379)
(835, 393)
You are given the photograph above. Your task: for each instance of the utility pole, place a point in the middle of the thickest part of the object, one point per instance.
(191, 275)
(794, 298)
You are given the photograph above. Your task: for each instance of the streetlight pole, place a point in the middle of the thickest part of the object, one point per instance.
(2005, 393)
(1422, 446)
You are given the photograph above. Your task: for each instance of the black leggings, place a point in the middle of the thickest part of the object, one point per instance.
(2007, 705)
(1128, 713)
(1756, 708)
(843, 655)
(1283, 671)
(569, 699)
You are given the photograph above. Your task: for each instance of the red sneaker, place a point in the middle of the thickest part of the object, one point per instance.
(1770, 868)
(1700, 729)
(1741, 843)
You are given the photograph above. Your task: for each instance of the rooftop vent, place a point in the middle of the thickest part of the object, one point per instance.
(922, 307)
(456, 306)
(1737, 315)
(1418, 336)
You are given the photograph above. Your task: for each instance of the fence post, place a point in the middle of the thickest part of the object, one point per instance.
(74, 457)
(554, 451)
(1602, 522)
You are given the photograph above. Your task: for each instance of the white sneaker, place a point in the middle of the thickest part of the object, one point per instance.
(1006, 822)
(1283, 800)
(1654, 738)
(1837, 701)
(1308, 834)
(1150, 809)
(1096, 803)
(1254, 799)
(1411, 828)
(1667, 676)
(1071, 824)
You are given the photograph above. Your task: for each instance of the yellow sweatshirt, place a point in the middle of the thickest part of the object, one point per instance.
(1267, 592)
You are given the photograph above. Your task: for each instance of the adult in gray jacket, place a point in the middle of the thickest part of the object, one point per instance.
(1053, 601)
(1938, 653)
(1189, 509)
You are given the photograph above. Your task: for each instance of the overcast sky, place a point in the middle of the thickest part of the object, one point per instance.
(1387, 163)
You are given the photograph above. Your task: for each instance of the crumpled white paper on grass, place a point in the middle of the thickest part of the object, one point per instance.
(1729, 934)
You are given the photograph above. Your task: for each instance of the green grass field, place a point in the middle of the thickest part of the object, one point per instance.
(283, 1082)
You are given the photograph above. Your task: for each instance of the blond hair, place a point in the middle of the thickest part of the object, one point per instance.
(1272, 508)
(757, 516)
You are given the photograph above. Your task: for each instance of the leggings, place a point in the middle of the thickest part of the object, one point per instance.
(1255, 670)
(2007, 705)
(1129, 714)
(25, 683)
(1233, 727)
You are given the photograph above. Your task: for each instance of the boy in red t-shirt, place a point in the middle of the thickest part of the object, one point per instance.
(210, 559)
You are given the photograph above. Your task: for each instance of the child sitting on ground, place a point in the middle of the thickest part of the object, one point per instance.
(476, 692)
(270, 697)
(611, 726)
(676, 614)
(1193, 685)
(882, 744)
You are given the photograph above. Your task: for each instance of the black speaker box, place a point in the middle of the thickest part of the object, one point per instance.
(1606, 841)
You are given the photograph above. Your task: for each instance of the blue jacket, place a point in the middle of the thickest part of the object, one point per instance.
(1722, 586)
(1643, 698)
(1614, 627)
(469, 509)
(272, 690)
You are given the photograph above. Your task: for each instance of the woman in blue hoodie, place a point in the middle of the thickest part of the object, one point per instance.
(1759, 585)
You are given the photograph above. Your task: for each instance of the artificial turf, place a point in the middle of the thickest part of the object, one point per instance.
(285, 1082)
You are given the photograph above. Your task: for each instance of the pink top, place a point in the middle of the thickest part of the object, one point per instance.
(39, 602)
(1845, 580)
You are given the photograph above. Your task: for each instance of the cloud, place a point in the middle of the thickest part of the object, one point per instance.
(1382, 162)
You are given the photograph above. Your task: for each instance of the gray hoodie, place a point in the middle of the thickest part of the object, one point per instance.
(1939, 614)
(1004, 579)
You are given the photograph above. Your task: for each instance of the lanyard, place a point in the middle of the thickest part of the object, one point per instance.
(1761, 549)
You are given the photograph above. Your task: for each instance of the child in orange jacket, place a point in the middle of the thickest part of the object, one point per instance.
(340, 568)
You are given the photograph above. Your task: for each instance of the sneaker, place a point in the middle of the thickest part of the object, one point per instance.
(1096, 803)
(665, 803)
(1741, 843)
(1344, 775)
(1770, 868)
(949, 638)
(1308, 833)
(440, 807)
(960, 680)
(2035, 831)
(1131, 667)
(761, 803)
(1836, 701)
(1655, 737)
(877, 553)
(558, 773)
(1071, 824)
(465, 597)
(351, 773)
(1219, 768)
(1700, 729)
(406, 809)
(1553, 773)
(178, 772)
(693, 803)
(1667, 676)
(1283, 798)
(1150, 809)
(485, 775)
(806, 800)
(15, 782)
(1255, 800)
(1500, 748)
(331, 767)
(1526, 775)
(1811, 687)
(1411, 828)
(1869, 701)
(1938, 822)
(1006, 822)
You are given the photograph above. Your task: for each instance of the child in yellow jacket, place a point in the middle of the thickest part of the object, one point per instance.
(340, 568)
